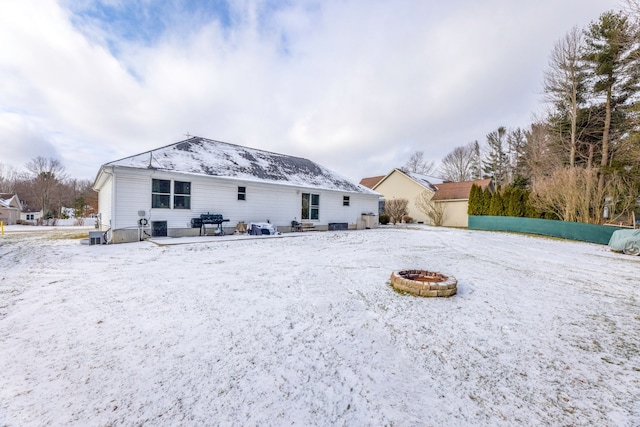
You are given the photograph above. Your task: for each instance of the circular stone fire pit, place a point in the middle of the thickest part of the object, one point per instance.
(424, 283)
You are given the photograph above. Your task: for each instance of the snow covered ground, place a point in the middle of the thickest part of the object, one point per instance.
(305, 330)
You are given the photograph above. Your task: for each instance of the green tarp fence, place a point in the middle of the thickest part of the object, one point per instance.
(564, 229)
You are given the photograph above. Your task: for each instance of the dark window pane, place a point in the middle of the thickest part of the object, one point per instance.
(305, 206)
(161, 186)
(242, 196)
(345, 201)
(180, 187)
(182, 202)
(160, 201)
(315, 213)
(315, 200)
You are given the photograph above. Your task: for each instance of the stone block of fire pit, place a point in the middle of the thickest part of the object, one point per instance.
(424, 283)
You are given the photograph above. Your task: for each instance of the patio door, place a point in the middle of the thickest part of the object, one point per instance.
(310, 206)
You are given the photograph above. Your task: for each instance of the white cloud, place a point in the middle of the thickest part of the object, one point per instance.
(356, 86)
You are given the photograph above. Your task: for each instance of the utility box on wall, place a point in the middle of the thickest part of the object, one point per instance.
(96, 238)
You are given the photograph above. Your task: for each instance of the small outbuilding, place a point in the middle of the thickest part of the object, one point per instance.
(160, 192)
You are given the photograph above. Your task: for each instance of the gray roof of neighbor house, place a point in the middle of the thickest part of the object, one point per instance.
(203, 156)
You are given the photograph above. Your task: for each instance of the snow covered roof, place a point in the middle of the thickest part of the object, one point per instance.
(423, 180)
(10, 201)
(215, 158)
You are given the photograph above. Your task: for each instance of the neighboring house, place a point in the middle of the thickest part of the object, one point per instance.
(398, 184)
(371, 181)
(31, 215)
(10, 208)
(455, 196)
(167, 187)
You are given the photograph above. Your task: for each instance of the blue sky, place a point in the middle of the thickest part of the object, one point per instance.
(354, 85)
(145, 22)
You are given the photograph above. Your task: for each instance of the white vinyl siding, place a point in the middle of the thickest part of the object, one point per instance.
(279, 204)
(132, 194)
(105, 203)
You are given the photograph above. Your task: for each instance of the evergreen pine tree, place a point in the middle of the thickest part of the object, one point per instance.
(516, 203)
(486, 201)
(496, 207)
(474, 200)
(496, 162)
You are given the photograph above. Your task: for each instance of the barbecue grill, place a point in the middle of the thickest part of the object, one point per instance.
(208, 219)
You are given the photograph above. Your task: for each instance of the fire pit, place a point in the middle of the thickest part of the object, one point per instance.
(424, 283)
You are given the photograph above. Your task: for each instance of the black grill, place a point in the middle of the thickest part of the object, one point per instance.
(208, 219)
(212, 219)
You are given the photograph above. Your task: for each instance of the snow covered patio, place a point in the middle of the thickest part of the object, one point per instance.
(307, 331)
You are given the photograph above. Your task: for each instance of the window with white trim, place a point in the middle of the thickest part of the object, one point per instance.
(181, 195)
(242, 193)
(161, 193)
(346, 201)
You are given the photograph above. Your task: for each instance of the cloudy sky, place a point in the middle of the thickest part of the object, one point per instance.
(355, 85)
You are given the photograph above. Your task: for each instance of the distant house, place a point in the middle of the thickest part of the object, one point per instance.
(167, 187)
(455, 195)
(10, 208)
(371, 181)
(31, 215)
(399, 184)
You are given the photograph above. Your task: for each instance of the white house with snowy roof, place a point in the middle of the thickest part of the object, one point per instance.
(161, 191)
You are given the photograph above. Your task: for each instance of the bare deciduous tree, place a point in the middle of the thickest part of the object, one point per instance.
(46, 177)
(571, 194)
(565, 82)
(434, 209)
(418, 164)
(541, 156)
(458, 164)
(396, 209)
(8, 178)
(622, 192)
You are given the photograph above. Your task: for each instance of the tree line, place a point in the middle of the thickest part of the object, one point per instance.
(581, 160)
(46, 186)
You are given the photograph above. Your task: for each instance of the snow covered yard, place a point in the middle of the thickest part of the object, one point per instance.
(305, 330)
